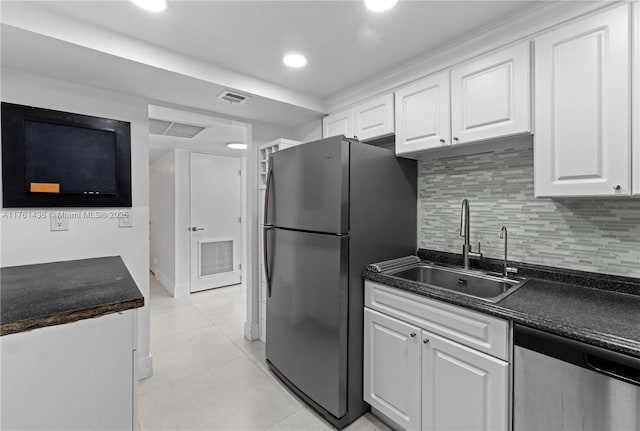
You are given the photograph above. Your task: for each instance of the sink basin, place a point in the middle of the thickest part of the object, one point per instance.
(487, 286)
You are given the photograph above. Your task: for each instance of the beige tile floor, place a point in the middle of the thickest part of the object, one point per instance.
(206, 376)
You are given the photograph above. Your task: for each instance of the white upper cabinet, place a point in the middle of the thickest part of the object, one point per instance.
(491, 97)
(374, 118)
(368, 120)
(582, 109)
(423, 115)
(338, 123)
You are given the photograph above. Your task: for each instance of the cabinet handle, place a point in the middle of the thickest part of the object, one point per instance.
(617, 187)
(442, 141)
(455, 138)
(412, 335)
(425, 341)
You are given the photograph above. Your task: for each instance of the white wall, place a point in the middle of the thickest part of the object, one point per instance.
(162, 217)
(27, 241)
(308, 132)
(183, 221)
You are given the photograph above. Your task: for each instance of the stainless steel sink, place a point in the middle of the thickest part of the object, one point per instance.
(487, 286)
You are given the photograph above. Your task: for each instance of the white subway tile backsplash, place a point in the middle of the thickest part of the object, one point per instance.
(589, 234)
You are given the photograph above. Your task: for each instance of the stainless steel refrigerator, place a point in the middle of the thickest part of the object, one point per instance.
(332, 206)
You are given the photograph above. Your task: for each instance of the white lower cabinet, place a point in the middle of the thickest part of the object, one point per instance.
(462, 389)
(77, 376)
(423, 380)
(392, 368)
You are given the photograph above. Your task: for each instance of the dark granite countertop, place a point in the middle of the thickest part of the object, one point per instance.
(47, 294)
(599, 316)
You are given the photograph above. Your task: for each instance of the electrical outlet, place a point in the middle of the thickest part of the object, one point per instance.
(58, 221)
(125, 219)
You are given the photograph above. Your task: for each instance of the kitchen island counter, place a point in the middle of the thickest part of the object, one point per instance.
(47, 294)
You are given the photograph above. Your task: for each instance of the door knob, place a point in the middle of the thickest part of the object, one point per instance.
(617, 187)
(193, 229)
(425, 341)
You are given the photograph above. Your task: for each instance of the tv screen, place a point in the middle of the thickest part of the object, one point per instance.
(52, 159)
(79, 160)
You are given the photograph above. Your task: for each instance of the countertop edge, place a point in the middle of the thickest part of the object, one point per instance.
(69, 316)
(596, 338)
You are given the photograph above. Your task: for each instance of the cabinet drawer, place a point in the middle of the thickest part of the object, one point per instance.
(477, 330)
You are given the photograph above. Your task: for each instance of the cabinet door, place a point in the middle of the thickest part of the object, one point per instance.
(392, 368)
(491, 97)
(582, 93)
(338, 123)
(374, 118)
(423, 115)
(462, 389)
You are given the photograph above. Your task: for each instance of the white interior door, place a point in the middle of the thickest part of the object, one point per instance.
(216, 206)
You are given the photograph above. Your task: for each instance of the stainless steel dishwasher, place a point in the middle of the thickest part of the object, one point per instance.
(565, 385)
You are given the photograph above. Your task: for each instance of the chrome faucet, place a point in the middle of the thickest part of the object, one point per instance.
(506, 269)
(465, 228)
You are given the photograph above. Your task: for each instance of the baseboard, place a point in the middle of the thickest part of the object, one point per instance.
(182, 290)
(165, 282)
(145, 367)
(251, 332)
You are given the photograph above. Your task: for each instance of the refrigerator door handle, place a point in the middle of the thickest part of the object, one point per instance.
(265, 250)
(267, 197)
(266, 228)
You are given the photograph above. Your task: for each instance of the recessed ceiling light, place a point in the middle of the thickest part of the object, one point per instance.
(237, 146)
(152, 5)
(379, 5)
(294, 59)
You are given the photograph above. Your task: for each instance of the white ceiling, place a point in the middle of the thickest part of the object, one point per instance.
(344, 42)
(186, 55)
(41, 55)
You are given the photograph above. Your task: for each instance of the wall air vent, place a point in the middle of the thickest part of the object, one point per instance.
(231, 97)
(169, 128)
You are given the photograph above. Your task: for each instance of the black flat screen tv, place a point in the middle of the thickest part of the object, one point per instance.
(60, 159)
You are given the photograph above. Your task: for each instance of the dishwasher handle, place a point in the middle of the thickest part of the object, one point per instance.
(613, 364)
(613, 368)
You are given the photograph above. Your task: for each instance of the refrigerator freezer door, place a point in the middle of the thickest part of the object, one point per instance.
(307, 314)
(309, 187)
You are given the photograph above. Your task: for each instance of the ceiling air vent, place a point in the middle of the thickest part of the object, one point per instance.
(232, 97)
(169, 128)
